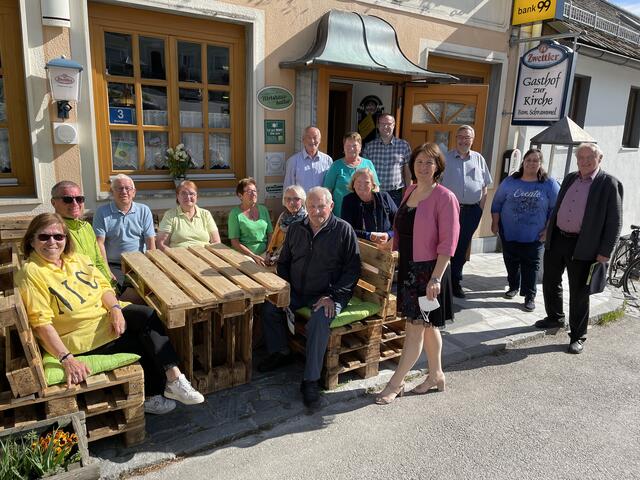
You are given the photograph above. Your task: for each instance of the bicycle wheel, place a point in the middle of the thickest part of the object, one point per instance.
(619, 261)
(631, 279)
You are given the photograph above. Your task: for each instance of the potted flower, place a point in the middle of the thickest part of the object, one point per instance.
(178, 162)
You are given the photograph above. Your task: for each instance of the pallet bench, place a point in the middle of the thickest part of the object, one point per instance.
(113, 402)
(360, 346)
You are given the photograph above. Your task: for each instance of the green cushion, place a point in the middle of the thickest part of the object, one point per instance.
(356, 310)
(54, 373)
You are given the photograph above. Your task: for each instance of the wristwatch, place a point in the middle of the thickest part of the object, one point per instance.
(117, 305)
(434, 280)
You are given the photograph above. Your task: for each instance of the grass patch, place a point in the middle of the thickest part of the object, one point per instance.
(610, 317)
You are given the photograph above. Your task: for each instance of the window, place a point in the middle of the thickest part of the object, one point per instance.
(631, 135)
(155, 90)
(579, 98)
(16, 164)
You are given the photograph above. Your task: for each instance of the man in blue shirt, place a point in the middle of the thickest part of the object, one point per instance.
(308, 167)
(123, 226)
(467, 176)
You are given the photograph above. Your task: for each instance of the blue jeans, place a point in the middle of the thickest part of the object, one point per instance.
(523, 262)
(274, 326)
(469, 220)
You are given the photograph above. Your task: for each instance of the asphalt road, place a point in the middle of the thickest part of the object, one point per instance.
(534, 412)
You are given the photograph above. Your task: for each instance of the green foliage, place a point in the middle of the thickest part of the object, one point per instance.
(178, 161)
(30, 456)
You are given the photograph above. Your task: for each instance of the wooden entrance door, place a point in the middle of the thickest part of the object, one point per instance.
(433, 113)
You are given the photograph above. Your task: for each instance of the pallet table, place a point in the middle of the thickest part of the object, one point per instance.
(205, 297)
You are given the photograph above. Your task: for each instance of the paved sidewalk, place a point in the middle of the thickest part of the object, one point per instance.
(485, 323)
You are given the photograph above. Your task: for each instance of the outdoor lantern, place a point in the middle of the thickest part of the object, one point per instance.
(64, 80)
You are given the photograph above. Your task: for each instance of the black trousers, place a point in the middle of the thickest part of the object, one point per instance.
(144, 335)
(556, 259)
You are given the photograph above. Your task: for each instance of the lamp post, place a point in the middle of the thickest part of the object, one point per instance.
(64, 80)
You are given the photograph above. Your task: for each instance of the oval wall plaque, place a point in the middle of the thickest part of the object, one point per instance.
(275, 98)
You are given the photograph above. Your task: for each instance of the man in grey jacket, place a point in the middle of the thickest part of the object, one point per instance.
(582, 230)
(320, 258)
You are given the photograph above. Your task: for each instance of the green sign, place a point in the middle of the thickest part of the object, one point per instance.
(274, 131)
(275, 98)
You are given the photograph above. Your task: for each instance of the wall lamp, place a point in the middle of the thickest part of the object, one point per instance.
(64, 80)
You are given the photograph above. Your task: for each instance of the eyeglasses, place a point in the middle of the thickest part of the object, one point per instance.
(58, 237)
(532, 160)
(124, 189)
(70, 199)
(386, 124)
(464, 137)
(251, 192)
(188, 194)
(292, 199)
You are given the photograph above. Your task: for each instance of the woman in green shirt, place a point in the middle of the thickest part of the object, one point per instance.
(250, 225)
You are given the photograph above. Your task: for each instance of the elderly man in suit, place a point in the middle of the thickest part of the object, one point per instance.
(582, 230)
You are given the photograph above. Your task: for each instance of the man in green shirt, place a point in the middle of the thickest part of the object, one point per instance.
(68, 201)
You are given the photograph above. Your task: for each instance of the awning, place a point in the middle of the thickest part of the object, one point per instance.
(363, 42)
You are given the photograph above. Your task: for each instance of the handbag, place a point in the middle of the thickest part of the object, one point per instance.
(597, 278)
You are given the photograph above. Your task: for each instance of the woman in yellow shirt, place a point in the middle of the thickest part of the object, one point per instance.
(73, 311)
(187, 224)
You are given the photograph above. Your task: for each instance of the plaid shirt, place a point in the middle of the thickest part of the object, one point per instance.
(389, 160)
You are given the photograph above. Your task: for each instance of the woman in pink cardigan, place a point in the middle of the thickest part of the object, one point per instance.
(426, 232)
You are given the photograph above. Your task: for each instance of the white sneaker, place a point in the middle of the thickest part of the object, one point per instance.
(182, 391)
(158, 405)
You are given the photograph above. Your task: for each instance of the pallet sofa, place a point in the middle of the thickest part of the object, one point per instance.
(361, 345)
(113, 402)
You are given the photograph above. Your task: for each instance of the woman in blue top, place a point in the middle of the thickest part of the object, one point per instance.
(520, 212)
(339, 175)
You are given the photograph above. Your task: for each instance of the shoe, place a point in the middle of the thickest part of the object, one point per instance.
(548, 323)
(457, 292)
(429, 384)
(576, 347)
(275, 361)
(310, 393)
(386, 399)
(529, 304)
(158, 405)
(511, 293)
(182, 391)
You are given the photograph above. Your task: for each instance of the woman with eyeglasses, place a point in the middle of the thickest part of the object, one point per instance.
(293, 200)
(369, 211)
(339, 174)
(250, 225)
(187, 225)
(520, 212)
(426, 234)
(74, 311)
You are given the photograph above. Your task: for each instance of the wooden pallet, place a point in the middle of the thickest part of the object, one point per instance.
(376, 277)
(352, 348)
(23, 363)
(113, 403)
(278, 290)
(392, 339)
(216, 353)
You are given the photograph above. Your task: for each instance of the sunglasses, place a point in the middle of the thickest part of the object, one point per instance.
(58, 237)
(69, 199)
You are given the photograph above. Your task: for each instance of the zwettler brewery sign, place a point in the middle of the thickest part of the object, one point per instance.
(544, 77)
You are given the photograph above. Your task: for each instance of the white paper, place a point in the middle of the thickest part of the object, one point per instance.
(275, 163)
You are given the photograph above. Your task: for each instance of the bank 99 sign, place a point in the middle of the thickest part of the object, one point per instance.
(544, 76)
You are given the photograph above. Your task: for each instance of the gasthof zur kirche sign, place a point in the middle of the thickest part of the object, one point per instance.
(544, 77)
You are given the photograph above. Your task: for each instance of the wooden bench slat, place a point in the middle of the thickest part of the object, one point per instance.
(157, 281)
(195, 289)
(382, 259)
(232, 273)
(270, 280)
(222, 287)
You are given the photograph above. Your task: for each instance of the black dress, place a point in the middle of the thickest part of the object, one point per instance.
(413, 277)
